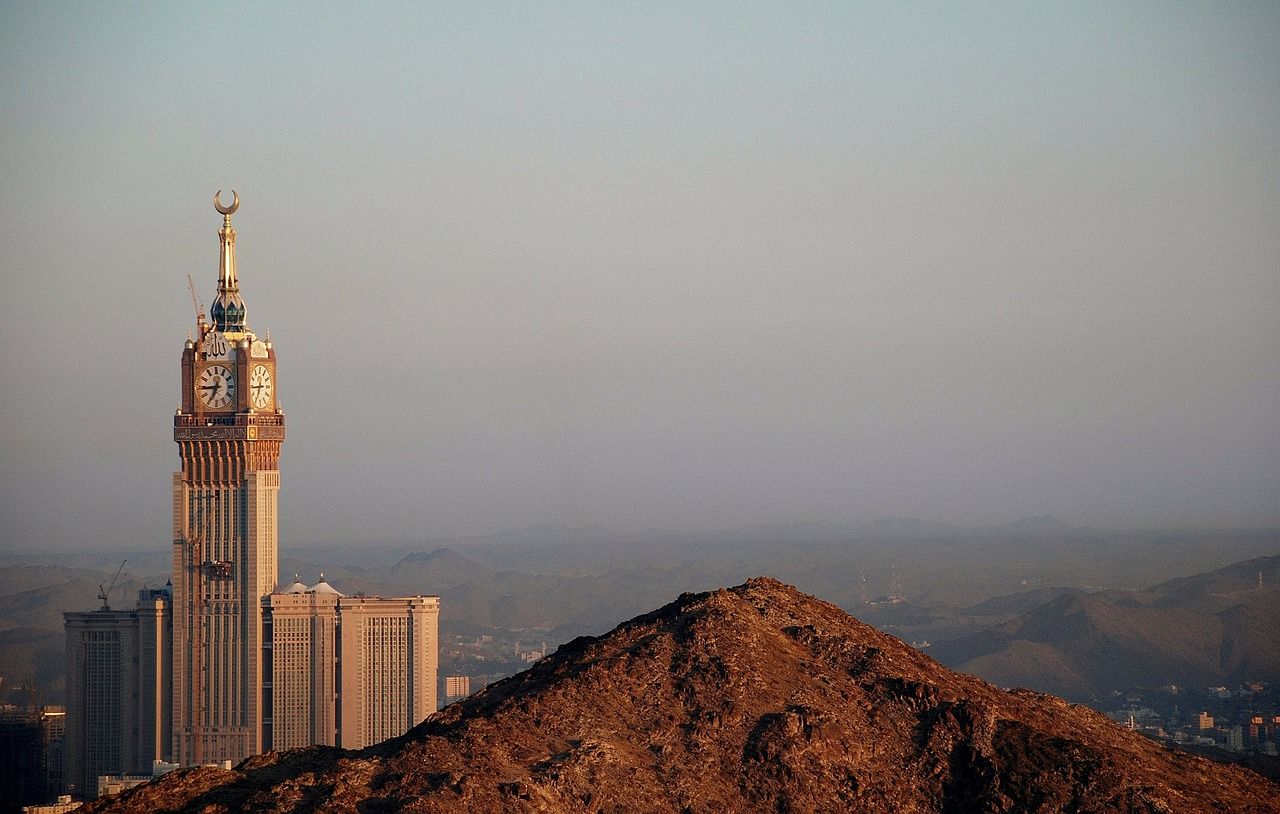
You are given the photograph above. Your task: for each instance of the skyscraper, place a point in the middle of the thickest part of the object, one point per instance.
(100, 695)
(388, 664)
(22, 767)
(346, 670)
(300, 657)
(229, 431)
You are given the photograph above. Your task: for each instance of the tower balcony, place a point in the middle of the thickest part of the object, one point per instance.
(228, 427)
(229, 420)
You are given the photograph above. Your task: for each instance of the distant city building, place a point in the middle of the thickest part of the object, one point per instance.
(456, 687)
(118, 690)
(531, 655)
(54, 723)
(31, 749)
(1206, 721)
(22, 771)
(161, 767)
(112, 784)
(1235, 739)
(63, 804)
(102, 696)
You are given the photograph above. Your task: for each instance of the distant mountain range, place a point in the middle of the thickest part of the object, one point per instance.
(32, 600)
(1215, 628)
(953, 585)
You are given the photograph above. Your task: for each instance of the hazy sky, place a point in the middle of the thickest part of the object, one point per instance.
(651, 264)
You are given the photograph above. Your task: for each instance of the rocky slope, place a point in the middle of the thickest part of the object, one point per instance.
(755, 698)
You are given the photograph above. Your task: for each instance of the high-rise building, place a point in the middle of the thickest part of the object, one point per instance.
(300, 653)
(217, 667)
(54, 722)
(346, 671)
(229, 429)
(388, 661)
(22, 771)
(102, 693)
(117, 690)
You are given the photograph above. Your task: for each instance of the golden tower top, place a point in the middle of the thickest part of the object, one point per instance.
(228, 311)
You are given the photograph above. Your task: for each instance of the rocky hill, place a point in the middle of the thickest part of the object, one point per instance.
(755, 698)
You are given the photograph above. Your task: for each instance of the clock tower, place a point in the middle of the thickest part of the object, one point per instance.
(229, 429)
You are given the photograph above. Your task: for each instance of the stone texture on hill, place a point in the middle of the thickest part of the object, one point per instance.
(755, 698)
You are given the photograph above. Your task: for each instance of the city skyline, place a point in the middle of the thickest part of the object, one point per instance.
(226, 662)
(691, 270)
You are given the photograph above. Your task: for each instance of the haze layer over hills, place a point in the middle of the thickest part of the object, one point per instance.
(946, 583)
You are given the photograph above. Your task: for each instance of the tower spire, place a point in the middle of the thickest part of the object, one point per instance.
(228, 311)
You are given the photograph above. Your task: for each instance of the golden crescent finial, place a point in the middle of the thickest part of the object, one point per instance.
(226, 210)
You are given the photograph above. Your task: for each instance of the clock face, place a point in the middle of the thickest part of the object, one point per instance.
(216, 386)
(260, 386)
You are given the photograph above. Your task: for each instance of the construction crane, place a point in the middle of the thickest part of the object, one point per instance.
(198, 306)
(104, 592)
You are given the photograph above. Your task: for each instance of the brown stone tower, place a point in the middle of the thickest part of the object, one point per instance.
(229, 429)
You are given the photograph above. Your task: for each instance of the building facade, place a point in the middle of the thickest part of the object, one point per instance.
(229, 430)
(22, 770)
(118, 670)
(155, 677)
(102, 731)
(54, 721)
(456, 688)
(346, 671)
(388, 663)
(300, 659)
